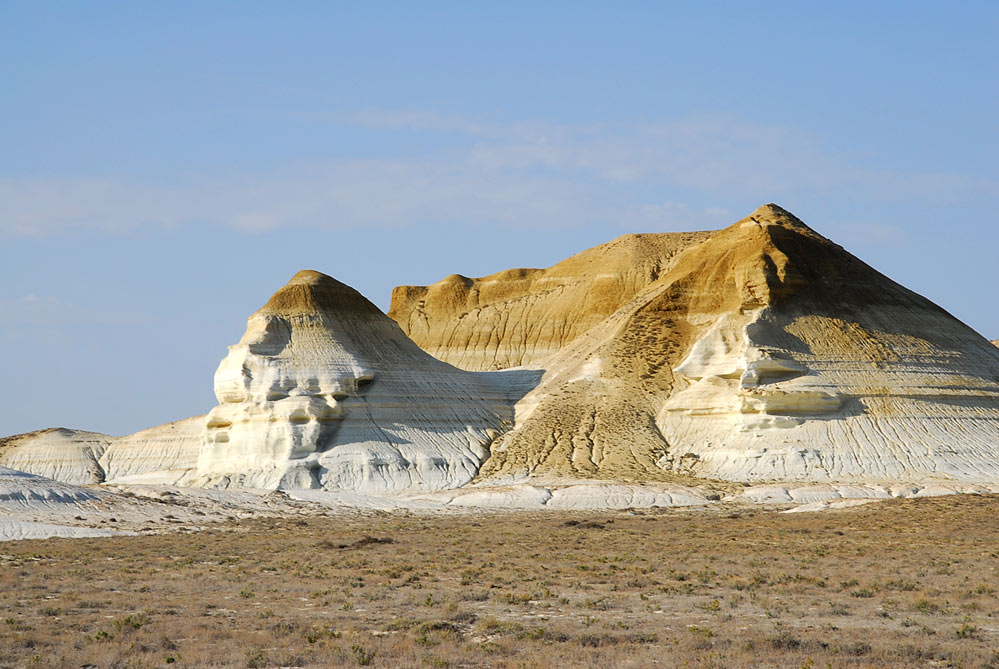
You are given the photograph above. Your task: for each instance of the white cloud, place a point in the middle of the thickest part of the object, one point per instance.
(518, 174)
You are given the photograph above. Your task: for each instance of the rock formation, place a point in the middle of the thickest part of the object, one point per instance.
(521, 316)
(761, 352)
(325, 391)
(79, 457)
(765, 353)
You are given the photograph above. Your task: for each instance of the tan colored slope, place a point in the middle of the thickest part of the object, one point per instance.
(766, 352)
(521, 316)
(995, 342)
(594, 413)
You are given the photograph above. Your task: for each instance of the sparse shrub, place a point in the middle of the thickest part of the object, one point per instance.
(362, 655)
(857, 648)
(256, 659)
(924, 605)
(784, 640)
(967, 631)
(131, 622)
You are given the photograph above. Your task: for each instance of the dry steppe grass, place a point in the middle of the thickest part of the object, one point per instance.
(903, 583)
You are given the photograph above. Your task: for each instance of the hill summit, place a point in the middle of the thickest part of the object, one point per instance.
(759, 352)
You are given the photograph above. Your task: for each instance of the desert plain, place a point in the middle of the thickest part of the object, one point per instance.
(901, 583)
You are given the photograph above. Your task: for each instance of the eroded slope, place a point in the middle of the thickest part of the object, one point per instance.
(80, 457)
(325, 391)
(521, 316)
(766, 352)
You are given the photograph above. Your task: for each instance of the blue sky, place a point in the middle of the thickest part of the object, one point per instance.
(164, 167)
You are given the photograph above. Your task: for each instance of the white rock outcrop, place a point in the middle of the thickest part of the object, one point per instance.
(80, 457)
(325, 391)
(838, 374)
(864, 398)
(26, 498)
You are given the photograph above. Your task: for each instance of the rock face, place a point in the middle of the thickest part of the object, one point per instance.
(79, 457)
(765, 352)
(325, 391)
(521, 316)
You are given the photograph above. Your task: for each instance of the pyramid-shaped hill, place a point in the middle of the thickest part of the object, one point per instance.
(765, 352)
(325, 391)
(521, 316)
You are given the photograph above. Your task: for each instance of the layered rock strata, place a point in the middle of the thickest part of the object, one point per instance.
(521, 316)
(325, 391)
(80, 457)
(765, 352)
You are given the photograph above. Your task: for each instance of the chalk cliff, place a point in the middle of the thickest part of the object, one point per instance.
(80, 457)
(325, 391)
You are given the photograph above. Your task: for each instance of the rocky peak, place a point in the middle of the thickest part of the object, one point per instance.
(773, 214)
